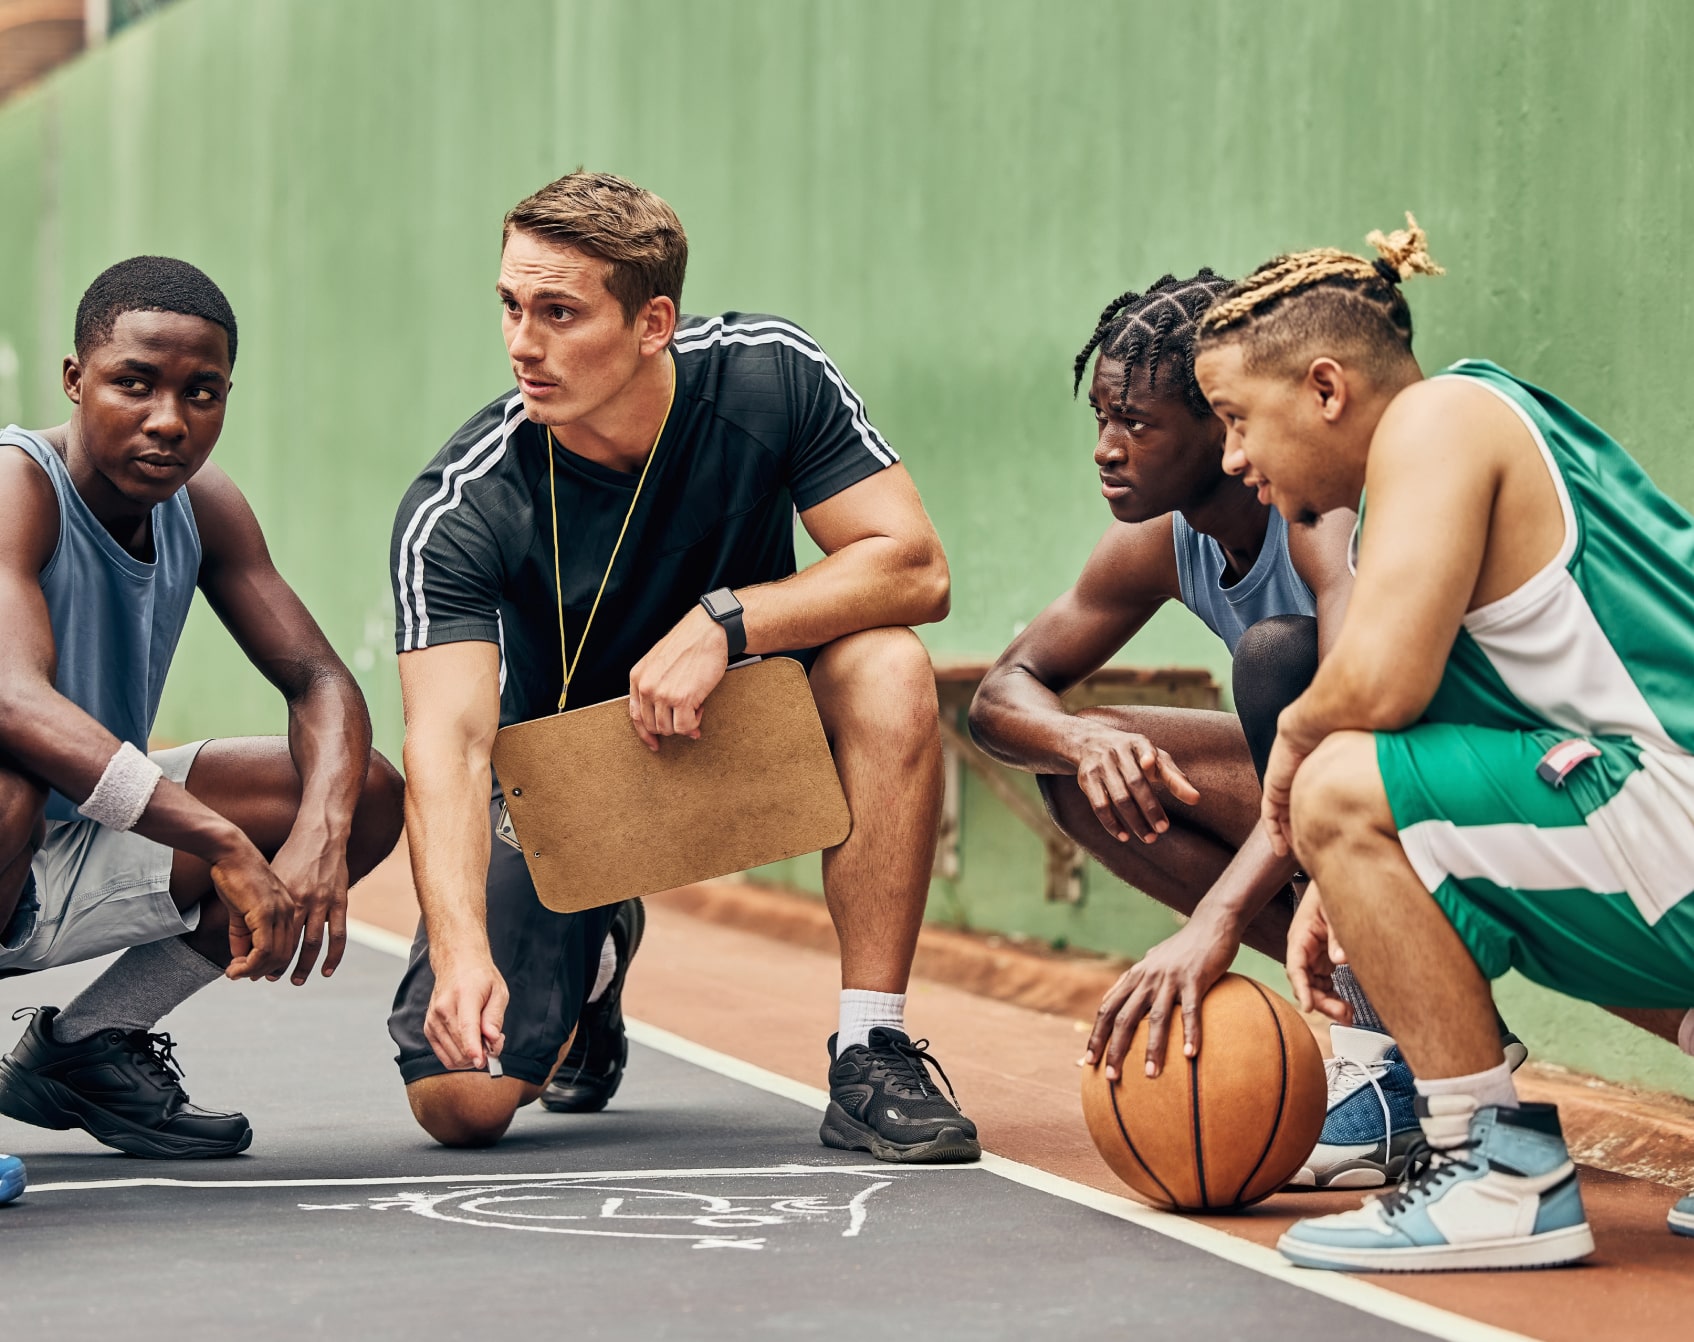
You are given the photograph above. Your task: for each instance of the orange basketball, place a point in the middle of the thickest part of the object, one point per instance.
(1221, 1130)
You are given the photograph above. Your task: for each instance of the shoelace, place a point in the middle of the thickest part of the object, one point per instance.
(1337, 1070)
(159, 1050)
(1426, 1167)
(912, 1057)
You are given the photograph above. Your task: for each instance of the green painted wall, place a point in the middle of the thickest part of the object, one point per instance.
(945, 193)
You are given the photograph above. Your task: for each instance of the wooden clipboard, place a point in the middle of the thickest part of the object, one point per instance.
(602, 818)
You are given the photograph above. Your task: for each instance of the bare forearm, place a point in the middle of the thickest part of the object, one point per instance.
(1253, 877)
(53, 739)
(329, 737)
(869, 584)
(1021, 722)
(447, 831)
(1350, 695)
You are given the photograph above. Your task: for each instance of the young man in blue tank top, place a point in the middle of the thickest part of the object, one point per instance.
(1167, 798)
(216, 859)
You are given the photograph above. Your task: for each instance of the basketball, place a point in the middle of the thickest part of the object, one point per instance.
(1222, 1130)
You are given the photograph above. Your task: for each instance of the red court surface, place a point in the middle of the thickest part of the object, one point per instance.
(773, 1004)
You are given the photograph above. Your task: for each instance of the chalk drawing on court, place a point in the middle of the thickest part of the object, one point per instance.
(728, 1212)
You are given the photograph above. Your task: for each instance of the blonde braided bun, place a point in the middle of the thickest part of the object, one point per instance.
(1406, 250)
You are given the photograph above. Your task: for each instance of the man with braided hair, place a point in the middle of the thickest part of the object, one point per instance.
(1167, 798)
(1494, 767)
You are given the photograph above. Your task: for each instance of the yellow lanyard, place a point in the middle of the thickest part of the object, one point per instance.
(571, 664)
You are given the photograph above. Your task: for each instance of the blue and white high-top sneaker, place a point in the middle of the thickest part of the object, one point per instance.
(1492, 1188)
(1681, 1217)
(12, 1178)
(1371, 1123)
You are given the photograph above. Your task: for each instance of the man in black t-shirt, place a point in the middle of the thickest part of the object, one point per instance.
(663, 460)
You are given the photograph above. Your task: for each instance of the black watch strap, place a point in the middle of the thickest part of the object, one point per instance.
(723, 607)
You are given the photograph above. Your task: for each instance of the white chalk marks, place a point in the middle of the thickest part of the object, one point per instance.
(715, 1210)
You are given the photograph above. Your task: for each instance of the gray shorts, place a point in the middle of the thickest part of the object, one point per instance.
(547, 959)
(96, 890)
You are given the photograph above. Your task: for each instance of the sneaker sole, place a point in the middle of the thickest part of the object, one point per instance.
(950, 1146)
(1549, 1249)
(1680, 1223)
(50, 1104)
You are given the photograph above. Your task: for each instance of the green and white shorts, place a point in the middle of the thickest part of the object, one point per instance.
(1519, 873)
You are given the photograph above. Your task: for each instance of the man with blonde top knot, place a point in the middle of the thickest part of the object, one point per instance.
(1494, 766)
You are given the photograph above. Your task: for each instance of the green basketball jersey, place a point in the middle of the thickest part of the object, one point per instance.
(1598, 645)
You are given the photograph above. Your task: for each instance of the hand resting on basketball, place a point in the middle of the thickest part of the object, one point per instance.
(669, 686)
(1179, 971)
(1313, 954)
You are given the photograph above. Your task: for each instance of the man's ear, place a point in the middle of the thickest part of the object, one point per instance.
(71, 379)
(657, 323)
(1326, 380)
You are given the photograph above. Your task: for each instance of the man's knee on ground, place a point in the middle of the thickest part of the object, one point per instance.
(466, 1108)
(1337, 795)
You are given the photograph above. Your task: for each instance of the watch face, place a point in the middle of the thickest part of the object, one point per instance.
(719, 605)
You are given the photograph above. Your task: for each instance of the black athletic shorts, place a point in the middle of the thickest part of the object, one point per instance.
(547, 959)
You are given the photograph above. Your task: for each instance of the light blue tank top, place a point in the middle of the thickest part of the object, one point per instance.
(116, 620)
(1270, 587)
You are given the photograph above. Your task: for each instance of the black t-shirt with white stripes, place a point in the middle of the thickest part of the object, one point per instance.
(762, 424)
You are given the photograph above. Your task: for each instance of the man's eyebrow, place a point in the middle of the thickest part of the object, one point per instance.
(570, 296)
(139, 366)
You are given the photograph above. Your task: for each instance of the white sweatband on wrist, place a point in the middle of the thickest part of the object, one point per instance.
(124, 789)
(1685, 1036)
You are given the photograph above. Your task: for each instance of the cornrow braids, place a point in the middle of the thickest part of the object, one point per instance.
(1363, 295)
(1143, 329)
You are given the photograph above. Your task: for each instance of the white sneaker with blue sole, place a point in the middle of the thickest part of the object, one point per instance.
(1492, 1188)
(12, 1178)
(1681, 1217)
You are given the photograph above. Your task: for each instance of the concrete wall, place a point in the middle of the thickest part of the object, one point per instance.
(945, 193)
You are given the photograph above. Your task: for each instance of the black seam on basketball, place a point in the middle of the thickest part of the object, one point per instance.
(1281, 1093)
(1199, 1141)
(1129, 1141)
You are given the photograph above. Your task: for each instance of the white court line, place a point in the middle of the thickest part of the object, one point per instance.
(1350, 1291)
(581, 1176)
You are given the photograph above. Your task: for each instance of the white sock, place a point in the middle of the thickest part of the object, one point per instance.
(1685, 1036)
(1493, 1087)
(863, 1011)
(138, 989)
(608, 967)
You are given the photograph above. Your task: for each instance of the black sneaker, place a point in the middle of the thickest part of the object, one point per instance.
(881, 1100)
(121, 1085)
(591, 1071)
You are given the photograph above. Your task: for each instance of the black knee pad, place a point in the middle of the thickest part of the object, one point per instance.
(1275, 660)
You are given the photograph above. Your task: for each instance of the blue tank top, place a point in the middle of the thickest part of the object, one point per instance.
(1270, 587)
(116, 620)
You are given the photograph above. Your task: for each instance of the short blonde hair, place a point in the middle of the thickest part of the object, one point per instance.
(623, 224)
